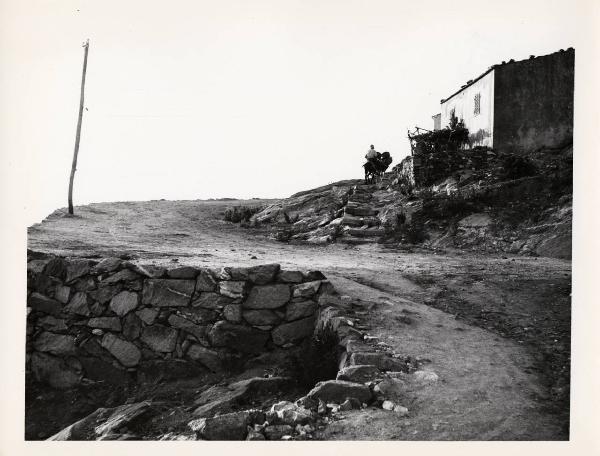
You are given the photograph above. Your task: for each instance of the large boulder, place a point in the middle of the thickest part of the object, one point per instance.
(124, 302)
(159, 338)
(359, 374)
(126, 352)
(82, 429)
(391, 388)
(382, 361)
(268, 296)
(103, 422)
(289, 413)
(238, 337)
(122, 416)
(339, 390)
(220, 398)
(167, 292)
(230, 426)
(293, 331)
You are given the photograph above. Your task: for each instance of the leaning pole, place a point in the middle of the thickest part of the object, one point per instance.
(86, 46)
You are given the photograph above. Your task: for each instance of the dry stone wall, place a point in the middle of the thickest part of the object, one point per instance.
(115, 321)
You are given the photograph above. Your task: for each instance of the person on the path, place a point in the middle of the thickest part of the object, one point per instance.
(371, 153)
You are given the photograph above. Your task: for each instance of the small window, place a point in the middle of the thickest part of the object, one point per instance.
(477, 104)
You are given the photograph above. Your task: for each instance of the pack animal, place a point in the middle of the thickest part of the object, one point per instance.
(375, 167)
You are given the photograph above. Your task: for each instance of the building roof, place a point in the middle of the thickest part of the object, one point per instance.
(493, 67)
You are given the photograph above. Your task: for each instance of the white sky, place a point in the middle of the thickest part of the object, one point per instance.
(198, 99)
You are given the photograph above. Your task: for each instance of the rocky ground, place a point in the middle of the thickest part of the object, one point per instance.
(491, 330)
(523, 208)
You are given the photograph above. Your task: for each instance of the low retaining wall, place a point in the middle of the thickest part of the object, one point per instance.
(115, 321)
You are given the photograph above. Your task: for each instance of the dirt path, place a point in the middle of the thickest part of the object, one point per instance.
(486, 390)
(496, 329)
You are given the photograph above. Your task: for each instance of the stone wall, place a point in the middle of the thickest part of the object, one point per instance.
(115, 321)
(424, 169)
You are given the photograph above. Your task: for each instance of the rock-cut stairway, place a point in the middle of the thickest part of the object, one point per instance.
(360, 223)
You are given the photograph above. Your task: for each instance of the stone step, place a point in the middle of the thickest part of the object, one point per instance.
(369, 232)
(361, 211)
(358, 189)
(356, 240)
(351, 220)
(359, 201)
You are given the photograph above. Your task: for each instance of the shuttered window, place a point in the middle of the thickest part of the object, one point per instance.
(477, 104)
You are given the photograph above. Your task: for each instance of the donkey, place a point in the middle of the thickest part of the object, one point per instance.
(375, 168)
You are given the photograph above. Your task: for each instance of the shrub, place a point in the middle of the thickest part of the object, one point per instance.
(237, 214)
(515, 167)
(414, 232)
(452, 137)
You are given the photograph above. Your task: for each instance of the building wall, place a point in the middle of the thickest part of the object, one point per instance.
(481, 124)
(437, 121)
(534, 103)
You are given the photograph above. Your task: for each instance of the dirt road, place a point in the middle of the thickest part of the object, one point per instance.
(495, 329)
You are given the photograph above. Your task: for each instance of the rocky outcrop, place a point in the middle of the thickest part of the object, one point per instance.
(115, 319)
(103, 424)
(339, 390)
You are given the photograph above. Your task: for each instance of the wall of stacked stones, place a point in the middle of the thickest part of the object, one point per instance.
(115, 321)
(429, 168)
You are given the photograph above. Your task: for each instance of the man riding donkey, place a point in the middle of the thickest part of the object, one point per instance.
(376, 164)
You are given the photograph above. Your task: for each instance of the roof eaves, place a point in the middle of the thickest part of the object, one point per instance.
(444, 100)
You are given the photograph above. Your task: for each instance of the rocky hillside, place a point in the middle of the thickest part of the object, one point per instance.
(516, 205)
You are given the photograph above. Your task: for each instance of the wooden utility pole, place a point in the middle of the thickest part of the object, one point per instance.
(86, 46)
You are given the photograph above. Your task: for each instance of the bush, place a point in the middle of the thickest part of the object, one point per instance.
(452, 137)
(515, 167)
(317, 359)
(414, 232)
(446, 207)
(237, 214)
